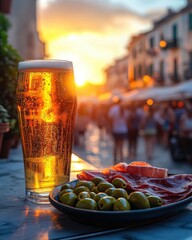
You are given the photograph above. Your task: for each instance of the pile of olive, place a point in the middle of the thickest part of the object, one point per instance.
(99, 194)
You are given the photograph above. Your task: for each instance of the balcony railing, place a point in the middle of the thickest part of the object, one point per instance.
(174, 77)
(169, 44)
(159, 80)
(188, 74)
(152, 52)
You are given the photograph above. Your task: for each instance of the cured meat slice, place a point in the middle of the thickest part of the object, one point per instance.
(88, 175)
(171, 189)
(142, 169)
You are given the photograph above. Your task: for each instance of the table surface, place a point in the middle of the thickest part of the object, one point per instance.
(23, 220)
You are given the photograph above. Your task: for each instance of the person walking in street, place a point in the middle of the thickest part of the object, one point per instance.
(186, 133)
(167, 121)
(149, 127)
(119, 129)
(82, 121)
(133, 123)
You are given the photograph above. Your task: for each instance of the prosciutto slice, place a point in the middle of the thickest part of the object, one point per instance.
(142, 169)
(170, 188)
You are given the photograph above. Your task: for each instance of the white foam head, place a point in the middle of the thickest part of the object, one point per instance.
(43, 64)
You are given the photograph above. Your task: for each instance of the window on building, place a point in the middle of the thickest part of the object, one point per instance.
(134, 53)
(161, 70)
(151, 42)
(175, 69)
(190, 21)
(151, 69)
(30, 45)
(174, 31)
(161, 37)
(190, 62)
(139, 70)
(134, 73)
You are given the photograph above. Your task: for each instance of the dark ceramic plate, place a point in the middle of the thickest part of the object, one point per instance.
(116, 218)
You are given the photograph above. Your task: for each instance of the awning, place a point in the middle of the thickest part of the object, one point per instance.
(177, 92)
(107, 98)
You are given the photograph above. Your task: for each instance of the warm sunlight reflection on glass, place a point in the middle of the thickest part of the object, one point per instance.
(48, 169)
(47, 114)
(47, 172)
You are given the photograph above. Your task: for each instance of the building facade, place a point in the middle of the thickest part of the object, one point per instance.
(23, 34)
(117, 74)
(163, 55)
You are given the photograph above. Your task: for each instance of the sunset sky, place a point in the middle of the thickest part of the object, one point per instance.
(93, 33)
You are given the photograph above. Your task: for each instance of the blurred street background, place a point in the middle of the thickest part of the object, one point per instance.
(141, 55)
(97, 148)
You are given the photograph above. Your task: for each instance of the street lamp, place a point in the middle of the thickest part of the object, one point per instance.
(163, 44)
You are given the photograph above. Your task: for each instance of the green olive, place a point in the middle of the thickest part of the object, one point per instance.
(106, 203)
(94, 189)
(66, 186)
(77, 190)
(83, 195)
(92, 194)
(120, 192)
(63, 192)
(87, 203)
(121, 204)
(119, 183)
(99, 195)
(69, 199)
(138, 200)
(103, 186)
(155, 201)
(97, 180)
(109, 191)
(87, 184)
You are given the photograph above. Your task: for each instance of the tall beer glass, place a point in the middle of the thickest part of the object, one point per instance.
(46, 104)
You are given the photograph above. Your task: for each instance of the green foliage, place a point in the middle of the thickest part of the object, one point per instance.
(4, 116)
(9, 59)
(5, 24)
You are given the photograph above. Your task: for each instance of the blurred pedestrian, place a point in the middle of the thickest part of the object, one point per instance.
(82, 121)
(119, 129)
(149, 128)
(101, 119)
(186, 133)
(133, 123)
(168, 120)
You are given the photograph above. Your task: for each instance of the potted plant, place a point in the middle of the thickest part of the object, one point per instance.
(4, 123)
(9, 59)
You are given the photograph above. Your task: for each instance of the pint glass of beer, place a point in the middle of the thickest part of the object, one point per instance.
(46, 104)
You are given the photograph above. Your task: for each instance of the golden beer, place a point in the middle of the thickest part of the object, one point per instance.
(46, 104)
